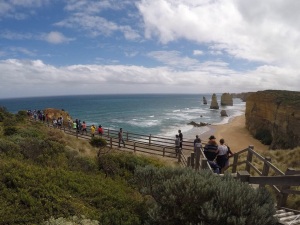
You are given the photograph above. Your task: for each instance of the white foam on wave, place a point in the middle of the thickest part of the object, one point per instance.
(144, 123)
(151, 116)
(229, 118)
(176, 110)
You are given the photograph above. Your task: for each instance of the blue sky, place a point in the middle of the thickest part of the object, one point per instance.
(63, 47)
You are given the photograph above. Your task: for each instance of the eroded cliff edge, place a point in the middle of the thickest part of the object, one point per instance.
(273, 116)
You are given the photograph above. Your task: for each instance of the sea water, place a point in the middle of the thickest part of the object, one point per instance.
(156, 114)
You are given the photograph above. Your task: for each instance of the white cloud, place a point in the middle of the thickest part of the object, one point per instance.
(198, 52)
(38, 78)
(55, 37)
(264, 31)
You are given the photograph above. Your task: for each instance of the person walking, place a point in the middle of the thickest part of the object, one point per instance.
(100, 130)
(120, 136)
(93, 129)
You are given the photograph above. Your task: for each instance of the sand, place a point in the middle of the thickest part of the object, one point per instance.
(235, 134)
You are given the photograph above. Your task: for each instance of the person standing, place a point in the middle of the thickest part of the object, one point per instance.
(211, 151)
(93, 129)
(100, 130)
(120, 136)
(180, 138)
(222, 155)
(197, 143)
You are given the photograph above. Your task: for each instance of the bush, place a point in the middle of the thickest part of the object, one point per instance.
(74, 220)
(98, 142)
(21, 116)
(184, 196)
(10, 130)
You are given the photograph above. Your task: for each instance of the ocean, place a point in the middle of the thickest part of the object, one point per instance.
(155, 114)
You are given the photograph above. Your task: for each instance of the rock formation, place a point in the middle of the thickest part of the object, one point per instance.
(226, 99)
(223, 113)
(201, 124)
(214, 103)
(274, 118)
(55, 113)
(204, 101)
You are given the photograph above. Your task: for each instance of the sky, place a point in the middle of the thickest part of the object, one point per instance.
(70, 47)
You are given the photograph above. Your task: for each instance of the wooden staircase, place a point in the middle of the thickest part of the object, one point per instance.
(287, 217)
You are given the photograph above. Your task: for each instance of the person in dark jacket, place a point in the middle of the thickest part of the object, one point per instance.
(211, 151)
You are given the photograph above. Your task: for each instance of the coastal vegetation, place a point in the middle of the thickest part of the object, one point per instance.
(48, 177)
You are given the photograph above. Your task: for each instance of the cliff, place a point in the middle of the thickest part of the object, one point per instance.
(273, 117)
(55, 113)
(226, 99)
(243, 95)
(204, 101)
(214, 103)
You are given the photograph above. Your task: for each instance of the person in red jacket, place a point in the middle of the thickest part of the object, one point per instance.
(100, 130)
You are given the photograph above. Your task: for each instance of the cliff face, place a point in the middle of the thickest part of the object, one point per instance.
(274, 117)
(55, 113)
(226, 99)
(243, 95)
(214, 103)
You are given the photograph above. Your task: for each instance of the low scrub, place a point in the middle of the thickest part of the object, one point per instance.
(183, 196)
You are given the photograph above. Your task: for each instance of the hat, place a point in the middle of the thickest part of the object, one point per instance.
(212, 137)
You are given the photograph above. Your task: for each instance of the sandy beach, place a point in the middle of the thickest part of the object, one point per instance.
(235, 134)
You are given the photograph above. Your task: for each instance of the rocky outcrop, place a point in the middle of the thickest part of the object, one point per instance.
(55, 113)
(223, 113)
(204, 101)
(226, 99)
(214, 103)
(274, 118)
(201, 124)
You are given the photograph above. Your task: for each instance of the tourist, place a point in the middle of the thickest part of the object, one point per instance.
(93, 129)
(70, 124)
(74, 125)
(222, 157)
(83, 128)
(180, 138)
(120, 136)
(100, 130)
(211, 152)
(177, 144)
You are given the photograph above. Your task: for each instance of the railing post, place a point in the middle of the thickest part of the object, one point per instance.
(192, 160)
(189, 161)
(235, 161)
(243, 176)
(283, 196)
(164, 151)
(197, 158)
(108, 133)
(127, 136)
(266, 168)
(150, 139)
(110, 141)
(249, 158)
(134, 147)
(179, 155)
(204, 163)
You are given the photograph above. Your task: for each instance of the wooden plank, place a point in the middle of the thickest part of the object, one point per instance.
(290, 180)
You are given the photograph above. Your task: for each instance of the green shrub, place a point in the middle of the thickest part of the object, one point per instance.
(10, 130)
(21, 116)
(98, 142)
(74, 220)
(184, 196)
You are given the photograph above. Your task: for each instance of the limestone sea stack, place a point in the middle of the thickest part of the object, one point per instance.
(223, 113)
(204, 101)
(214, 103)
(226, 99)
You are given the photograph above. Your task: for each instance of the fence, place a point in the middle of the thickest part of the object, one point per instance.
(281, 182)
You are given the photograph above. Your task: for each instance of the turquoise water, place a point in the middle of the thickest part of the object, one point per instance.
(156, 114)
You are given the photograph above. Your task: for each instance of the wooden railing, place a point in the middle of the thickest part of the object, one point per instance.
(281, 182)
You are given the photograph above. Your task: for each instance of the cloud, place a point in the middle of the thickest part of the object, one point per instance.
(263, 31)
(198, 52)
(38, 78)
(86, 15)
(55, 37)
